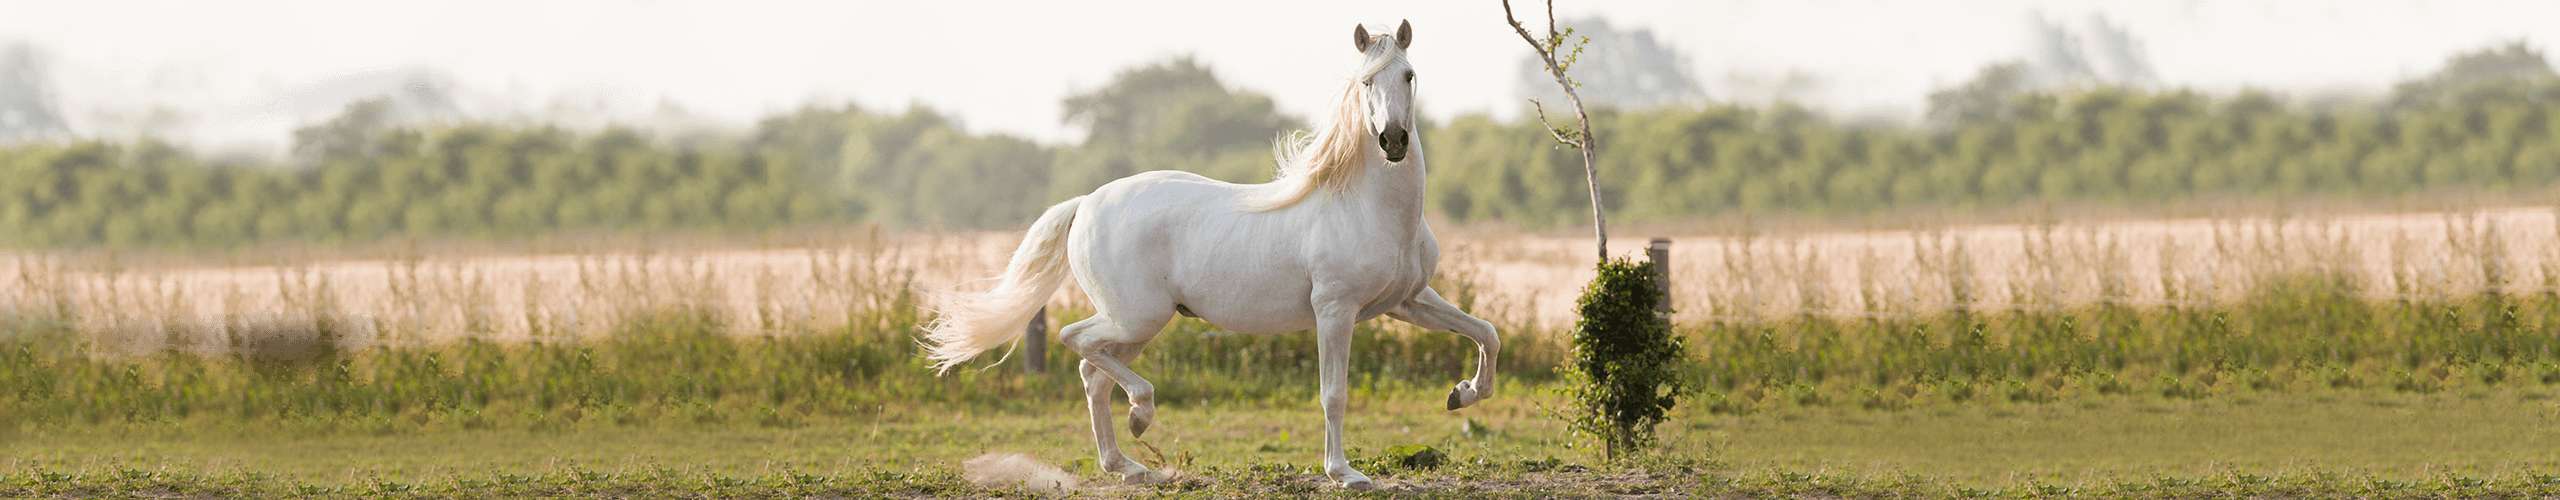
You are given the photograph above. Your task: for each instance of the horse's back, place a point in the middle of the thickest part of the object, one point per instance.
(1156, 241)
(1161, 200)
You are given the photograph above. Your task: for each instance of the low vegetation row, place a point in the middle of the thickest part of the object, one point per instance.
(2482, 124)
(681, 365)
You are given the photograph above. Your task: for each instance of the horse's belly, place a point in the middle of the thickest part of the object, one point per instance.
(1256, 316)
(1250, 300)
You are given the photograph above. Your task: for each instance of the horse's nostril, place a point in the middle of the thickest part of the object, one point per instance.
(1393, 142)
(1393, 138)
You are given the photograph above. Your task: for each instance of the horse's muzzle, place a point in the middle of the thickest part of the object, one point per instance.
(1394, 142)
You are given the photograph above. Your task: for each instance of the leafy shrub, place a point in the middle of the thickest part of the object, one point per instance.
(1623, 372)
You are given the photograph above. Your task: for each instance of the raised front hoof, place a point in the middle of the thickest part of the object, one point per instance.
(1463, 395)
(1140, 418)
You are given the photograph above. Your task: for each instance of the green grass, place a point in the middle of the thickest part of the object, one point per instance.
(2340, 432)
(2289, 334)
(2325, 442)
(677, 365)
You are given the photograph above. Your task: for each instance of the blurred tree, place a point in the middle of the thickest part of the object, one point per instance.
(2502, 71)
(1170, 115)
(1175, 106)
(1988, 96)
(28, 110)
(1625, 68)
(363, 130)
(2100, 53)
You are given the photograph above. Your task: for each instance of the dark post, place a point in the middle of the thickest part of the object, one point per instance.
(1035, 342)
(1659, 251)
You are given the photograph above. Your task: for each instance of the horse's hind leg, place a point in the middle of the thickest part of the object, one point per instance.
(1428, 310)
(1097, 400)
(1111, 346)
(1142, 403)
(1089, 339)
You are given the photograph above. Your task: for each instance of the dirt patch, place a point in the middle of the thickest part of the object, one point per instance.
(1574, 483)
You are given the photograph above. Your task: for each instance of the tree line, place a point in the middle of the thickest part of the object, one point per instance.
(2483, 122)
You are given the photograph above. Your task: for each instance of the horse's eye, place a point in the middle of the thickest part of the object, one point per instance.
(1408, 77)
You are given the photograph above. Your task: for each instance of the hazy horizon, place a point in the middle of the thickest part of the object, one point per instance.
(242, 75)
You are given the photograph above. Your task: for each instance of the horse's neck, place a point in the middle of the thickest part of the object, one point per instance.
(1394, 191)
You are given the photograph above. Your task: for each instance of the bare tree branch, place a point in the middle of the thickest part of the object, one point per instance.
(1554, 38)
(1552, 129)
(1584, 141)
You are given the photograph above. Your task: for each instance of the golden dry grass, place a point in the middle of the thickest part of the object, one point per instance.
(1517, 279)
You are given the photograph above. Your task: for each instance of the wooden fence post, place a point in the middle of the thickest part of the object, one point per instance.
(1659, 251)
(1035, 342)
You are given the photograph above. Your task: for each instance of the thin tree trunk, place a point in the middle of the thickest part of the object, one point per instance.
(1591, 178)
(1583, 140)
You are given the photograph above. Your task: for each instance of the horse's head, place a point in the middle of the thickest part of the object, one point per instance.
(1388, 80)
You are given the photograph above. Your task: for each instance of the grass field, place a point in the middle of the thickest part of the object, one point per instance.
(2297, 373)
(2324, 442)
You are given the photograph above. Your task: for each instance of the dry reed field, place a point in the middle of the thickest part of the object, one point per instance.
(1517, 279)
(2002, 266)
(427, 299)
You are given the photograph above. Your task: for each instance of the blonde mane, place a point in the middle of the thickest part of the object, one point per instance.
(1329, 159)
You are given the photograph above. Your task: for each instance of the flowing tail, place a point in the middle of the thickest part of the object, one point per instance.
(967, 324)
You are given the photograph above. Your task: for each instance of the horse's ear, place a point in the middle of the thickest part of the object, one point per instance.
(1360, 38)
(1404, 35)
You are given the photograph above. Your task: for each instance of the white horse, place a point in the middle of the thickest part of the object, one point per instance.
(1338, 239)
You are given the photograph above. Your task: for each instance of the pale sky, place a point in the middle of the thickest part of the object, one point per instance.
(1003, 66)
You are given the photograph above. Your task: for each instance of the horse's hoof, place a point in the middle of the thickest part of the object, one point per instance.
(1462, 395)
(1355, 481)
(1130, 471)
(1141, 417)
(1350, 478)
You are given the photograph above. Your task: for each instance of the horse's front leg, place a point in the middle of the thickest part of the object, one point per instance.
(1428, 310)
(1333, 363)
